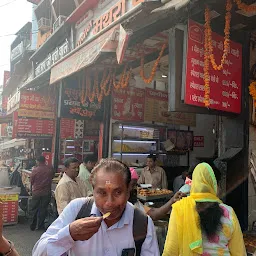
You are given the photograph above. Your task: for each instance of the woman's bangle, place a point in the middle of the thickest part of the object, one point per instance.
(10, 249)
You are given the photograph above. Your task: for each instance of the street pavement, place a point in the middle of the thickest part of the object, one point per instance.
(23, 238)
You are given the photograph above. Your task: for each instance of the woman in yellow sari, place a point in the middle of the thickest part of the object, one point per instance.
(201, 224)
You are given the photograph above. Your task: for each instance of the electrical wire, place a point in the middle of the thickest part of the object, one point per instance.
(7, 3)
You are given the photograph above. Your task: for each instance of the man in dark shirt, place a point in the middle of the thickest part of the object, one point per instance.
(41, 180)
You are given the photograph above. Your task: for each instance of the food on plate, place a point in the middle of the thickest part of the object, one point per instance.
(154, 192)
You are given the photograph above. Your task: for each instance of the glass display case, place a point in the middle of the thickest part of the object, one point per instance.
(132, 144)
(78, 148)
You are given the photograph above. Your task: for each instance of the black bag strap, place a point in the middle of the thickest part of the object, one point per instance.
(140, 229)
(85, 210)
(140, 223)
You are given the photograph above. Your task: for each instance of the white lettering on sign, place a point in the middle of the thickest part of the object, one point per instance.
(13, 102)
(17, 51)
(52, 58)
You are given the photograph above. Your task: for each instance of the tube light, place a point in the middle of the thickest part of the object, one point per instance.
(136, 141)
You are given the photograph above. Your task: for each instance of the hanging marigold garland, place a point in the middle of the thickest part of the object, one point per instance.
(155, 66)
(124, 79)
(208, 51)
(83, 92)
(226, 38)
(98, 91)
(245, 7)
(252, 91)
(107, 81)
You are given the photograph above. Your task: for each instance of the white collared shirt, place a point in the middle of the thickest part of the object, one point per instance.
(56, 241)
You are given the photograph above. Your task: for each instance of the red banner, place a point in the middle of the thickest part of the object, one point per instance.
(67, 128)
(225, 85)
(128, 104)
(6, 77)
(29, 127)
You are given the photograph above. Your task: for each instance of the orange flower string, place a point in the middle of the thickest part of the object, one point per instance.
(245, 7)
(123, 81)
(252, 91)
(208, 49)
(226, 38)
(155, 66)
(89, 91)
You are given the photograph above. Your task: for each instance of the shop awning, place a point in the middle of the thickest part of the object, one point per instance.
(12, 143)
(170, 4)
(84, 57)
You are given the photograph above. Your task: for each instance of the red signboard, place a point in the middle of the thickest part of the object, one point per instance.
(6, 77)
(128, 104)
(30, 127)
(225, 85)
(10, 208)
(67, 128)
(198, 141)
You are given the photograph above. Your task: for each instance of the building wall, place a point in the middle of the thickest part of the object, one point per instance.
(204, 127)
(251, 188)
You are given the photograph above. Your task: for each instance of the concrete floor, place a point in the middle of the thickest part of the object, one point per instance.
(23, 238)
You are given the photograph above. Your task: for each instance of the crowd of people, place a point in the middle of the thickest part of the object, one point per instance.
(99, 213)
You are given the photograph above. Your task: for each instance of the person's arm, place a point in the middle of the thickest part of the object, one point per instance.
(62, 197)
(141, 179)
(171, 246)
(236, 244)
(57, 239)
(164, 180)
(150, 245)
(159, 213)
(5, 246)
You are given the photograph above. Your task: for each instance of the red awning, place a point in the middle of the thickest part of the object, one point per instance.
(85, 56)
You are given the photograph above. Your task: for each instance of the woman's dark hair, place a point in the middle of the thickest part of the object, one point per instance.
(210, 213)
(114, 166)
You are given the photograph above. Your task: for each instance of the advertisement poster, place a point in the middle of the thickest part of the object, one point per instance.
(225, 85)
(72, 107)
(156, 109)
(183, 140)
(128, 104)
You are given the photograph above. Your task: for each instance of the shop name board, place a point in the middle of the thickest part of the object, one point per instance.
(17, 51)
(13, 102)
(94, 21)
(225, 85)
(73, 107)
(52, 58)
